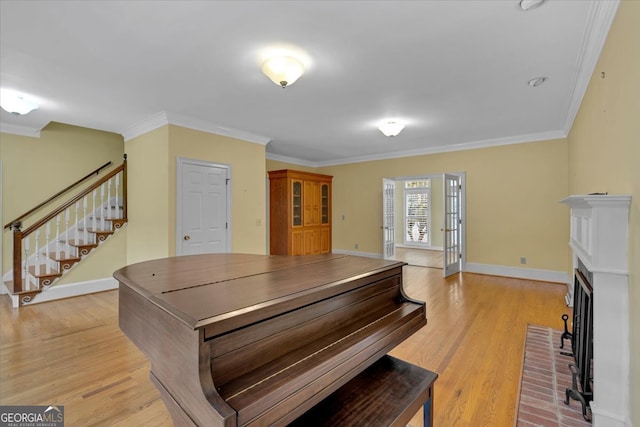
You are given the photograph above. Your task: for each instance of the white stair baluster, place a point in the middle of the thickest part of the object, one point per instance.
(117, 208)
(76, 235)
(67, 233)
(46, 249)
(109, 199)
(25, 273)
(58, 236)
(102, 209)
(93, 217)
(85, 232)
(37, 252)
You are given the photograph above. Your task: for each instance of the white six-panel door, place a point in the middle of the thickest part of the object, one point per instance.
(202, 224)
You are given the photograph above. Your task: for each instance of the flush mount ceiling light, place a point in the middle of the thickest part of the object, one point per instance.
(530, 4)
(391, 127)
(536, 81)
(283, 70)
(15, 103)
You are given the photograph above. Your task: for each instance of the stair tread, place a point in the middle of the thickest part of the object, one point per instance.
(63, 257)
(91, 230)
(43, 271)
(9, 285)
(79, 242)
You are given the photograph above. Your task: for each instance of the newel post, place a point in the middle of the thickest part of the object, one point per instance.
(124, 188)
(17, 257)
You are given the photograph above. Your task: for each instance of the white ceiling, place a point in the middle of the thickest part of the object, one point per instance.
(456, 71)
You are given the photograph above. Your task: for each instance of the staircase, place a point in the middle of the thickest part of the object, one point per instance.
(52, 245)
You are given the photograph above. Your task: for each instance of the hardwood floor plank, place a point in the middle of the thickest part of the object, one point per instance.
(71, 352)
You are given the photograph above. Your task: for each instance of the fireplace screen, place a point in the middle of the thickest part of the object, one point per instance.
(582, 341)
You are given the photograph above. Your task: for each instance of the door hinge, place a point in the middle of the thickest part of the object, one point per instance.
(459, 256)
(226, 225)
(459, 186)
(459, 221)
(227, 181)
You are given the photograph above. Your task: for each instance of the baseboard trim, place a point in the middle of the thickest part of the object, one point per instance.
(356, 253)
(428, 248)
(518, 273)
(67, 290)
(491, 269)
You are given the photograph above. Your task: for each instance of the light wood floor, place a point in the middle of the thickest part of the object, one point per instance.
(420, 257)
(72, 353)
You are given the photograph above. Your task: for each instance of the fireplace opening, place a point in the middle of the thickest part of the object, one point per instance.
(582, 341)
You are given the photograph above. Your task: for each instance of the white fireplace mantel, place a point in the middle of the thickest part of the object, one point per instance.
(599, 238)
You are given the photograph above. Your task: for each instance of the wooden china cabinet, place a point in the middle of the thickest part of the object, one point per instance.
(300, 212)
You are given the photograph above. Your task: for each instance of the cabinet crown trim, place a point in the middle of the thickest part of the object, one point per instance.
(290, 173)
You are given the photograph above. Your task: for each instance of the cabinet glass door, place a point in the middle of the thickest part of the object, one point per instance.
(296, 203)
(324, 203)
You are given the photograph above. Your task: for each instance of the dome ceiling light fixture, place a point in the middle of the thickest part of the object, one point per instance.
(535, 82)
(530, 4)
(15, 103)
(391, 127)
(283, 70)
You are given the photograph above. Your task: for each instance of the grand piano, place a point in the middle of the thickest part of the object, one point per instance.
(255, 340)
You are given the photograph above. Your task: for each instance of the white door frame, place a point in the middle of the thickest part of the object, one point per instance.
(180, 162)
(463, 208)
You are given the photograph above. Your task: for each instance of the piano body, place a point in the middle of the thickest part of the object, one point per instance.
(254, 340)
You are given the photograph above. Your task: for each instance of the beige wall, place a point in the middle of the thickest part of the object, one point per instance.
(33, 169)
(148, 196)
(604, 150)
(152, 189)
(512, 201)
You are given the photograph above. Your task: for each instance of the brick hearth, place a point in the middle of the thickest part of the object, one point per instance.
(545, 377)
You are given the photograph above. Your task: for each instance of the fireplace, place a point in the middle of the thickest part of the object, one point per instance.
(598, 241)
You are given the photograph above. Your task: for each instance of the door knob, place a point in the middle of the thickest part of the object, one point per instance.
(187, 237)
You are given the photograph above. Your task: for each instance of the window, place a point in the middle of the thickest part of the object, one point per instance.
(417, 202)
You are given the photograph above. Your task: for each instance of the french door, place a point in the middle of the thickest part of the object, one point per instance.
(452, 225)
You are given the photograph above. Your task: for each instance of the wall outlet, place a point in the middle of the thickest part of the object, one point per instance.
(356, 246)
(523, 260)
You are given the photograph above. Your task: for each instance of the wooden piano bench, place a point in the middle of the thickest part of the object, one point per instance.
(388, 393)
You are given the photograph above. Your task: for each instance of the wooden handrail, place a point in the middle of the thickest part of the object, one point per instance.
(58, 194)
(61, 209)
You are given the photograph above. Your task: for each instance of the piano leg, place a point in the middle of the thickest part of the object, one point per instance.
(427, 413)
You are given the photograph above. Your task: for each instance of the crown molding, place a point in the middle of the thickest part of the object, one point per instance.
(487, 143)
(19, 130)
(292, 160)
(167, 118)
(145, 126)
(205, 126)
(600, 19)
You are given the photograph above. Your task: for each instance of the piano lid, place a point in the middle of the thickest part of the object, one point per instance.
(222, 291)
